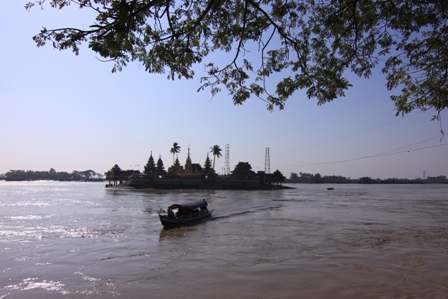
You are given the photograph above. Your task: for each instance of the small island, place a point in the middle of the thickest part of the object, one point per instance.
(194, 176)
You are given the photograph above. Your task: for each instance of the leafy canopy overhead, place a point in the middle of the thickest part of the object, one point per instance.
(311, 43)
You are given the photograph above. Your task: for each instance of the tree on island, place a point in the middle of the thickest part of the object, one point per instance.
(313, 45)
(208, 171)
(114, 174)
(216, 152)
(160, 168)
(150, 166)
(277, 177)
(174, 170)
(175, 149)
(243, 169)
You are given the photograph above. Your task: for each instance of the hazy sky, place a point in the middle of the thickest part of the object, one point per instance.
(68, 112)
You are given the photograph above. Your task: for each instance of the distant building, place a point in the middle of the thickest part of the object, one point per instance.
(190, 169)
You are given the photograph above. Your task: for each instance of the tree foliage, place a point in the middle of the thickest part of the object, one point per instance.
(175, 149)
(174, 170)
(150, 166)
(313, 44)
(243, 169)
(216, 152)
(207, 164)
(277, 177)
(160, 170)
(337, 179)
(52, 174)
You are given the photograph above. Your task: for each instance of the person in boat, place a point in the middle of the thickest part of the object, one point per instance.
(180, 212)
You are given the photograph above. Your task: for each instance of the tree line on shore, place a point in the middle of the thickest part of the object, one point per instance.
(90, 175)
(52, 175)
(337, 179)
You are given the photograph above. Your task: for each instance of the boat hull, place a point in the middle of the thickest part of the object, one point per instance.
(167, 221)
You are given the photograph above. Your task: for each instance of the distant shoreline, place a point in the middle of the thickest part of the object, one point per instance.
(371, 183)
(376, 182)
(36, 180)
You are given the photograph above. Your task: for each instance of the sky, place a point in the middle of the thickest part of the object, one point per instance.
(68, 112)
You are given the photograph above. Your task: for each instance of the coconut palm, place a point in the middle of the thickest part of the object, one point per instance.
(175, 149)
(216, 151)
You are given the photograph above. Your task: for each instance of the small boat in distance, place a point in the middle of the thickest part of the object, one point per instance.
(185, 214)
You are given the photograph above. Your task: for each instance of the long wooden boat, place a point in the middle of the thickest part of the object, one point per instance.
(185, 214)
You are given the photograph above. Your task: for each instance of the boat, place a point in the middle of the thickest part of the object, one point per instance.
(185, 214)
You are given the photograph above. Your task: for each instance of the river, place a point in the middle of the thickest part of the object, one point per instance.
(81, 240)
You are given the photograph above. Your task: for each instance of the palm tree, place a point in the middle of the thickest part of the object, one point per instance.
(216, 151)
(175, 149)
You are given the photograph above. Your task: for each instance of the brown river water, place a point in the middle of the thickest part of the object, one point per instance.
(81, 240)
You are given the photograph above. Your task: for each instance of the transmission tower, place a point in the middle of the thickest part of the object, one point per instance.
(267, 162)
(227, 161)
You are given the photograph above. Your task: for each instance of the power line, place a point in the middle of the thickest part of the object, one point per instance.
(388, 153)
(346, 136)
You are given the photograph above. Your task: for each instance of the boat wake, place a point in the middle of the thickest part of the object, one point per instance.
(239, 213)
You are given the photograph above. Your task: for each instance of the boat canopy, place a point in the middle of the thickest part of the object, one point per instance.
(189, 206)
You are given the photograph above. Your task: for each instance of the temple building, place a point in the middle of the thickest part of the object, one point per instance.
(190, 169)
